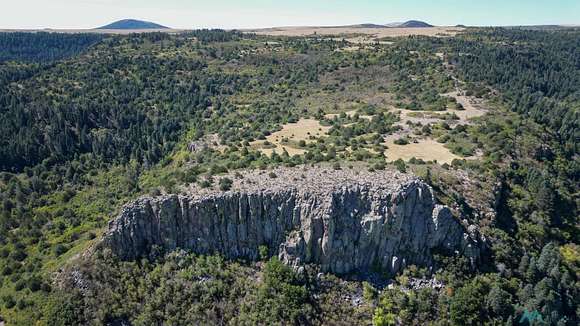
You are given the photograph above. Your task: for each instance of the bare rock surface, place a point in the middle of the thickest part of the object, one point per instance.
(345, 221)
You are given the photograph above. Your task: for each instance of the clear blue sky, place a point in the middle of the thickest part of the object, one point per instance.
(262, 13)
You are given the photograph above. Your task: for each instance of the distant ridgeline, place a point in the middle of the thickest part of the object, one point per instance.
(133, 24)
(43, 47)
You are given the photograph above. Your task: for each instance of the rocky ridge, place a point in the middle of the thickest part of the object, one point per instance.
(342, 220)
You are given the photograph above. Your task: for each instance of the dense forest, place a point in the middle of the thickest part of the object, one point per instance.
(43, 47)
(90, 122)
(538, 78)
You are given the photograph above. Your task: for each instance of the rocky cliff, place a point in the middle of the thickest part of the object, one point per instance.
(344, 221)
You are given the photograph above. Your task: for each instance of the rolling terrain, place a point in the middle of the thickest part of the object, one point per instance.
(319, 176)
(369, 32)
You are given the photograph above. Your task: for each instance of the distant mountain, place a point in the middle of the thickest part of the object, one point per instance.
(367, 26)
(409, 24)
(133, 24)
(397, 24)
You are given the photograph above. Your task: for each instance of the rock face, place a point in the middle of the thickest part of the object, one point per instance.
(343, 221)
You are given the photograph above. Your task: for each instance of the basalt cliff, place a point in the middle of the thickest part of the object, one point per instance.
(344, 221)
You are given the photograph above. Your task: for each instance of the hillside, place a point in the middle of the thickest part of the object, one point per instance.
(133, 24)
(43, 46)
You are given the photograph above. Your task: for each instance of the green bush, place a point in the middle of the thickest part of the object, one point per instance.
(400, 165)
(401, 141)
(60, 249)
(206, 183)
(225, 184)
(9, 301)
(34, 284)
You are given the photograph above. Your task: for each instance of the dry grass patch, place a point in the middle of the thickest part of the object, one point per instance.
(353, 34)
(425, 149)
(471, 109)
(470, 105)
(350, 114)
(289, 137)
(349, 49)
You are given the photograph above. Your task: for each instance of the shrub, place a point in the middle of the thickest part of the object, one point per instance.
(369, 292)
(417, 161)
(217, 169)
(205, 183)
(21, 304)
(34, 284)
(400, 165)
(6, 270)
(190, 176)
(19, 255)
(225, 184)
(9, 301)
(402, 141)
(60, 249)
(263, 251)
(379, 166)
(20, 285)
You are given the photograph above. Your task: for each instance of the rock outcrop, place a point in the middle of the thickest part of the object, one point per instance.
(344, 221)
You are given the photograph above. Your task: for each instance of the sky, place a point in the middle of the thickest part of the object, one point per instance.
(188, 14)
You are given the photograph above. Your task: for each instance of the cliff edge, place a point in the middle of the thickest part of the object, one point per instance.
(344, 221)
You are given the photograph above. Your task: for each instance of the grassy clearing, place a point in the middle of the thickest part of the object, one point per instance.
(427, 150)
(350, 114)
(358, 34)
(470, 109)
(290, 136)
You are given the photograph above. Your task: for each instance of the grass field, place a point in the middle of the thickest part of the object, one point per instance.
(426, 149)
(368, 34)
(289, 137)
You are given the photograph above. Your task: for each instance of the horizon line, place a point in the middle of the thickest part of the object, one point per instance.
(286, 26)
